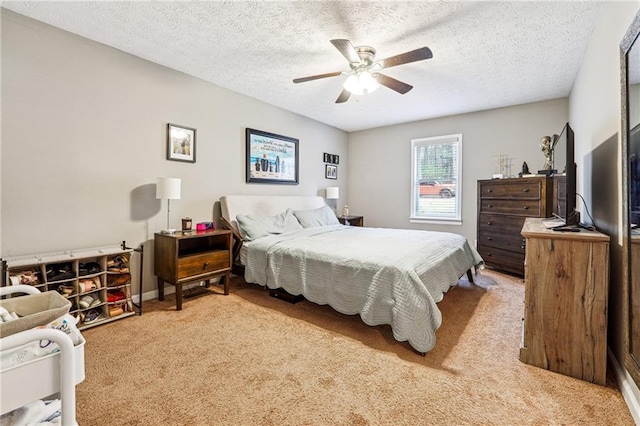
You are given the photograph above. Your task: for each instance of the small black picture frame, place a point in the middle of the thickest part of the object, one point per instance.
(330, 171)
(181, 143)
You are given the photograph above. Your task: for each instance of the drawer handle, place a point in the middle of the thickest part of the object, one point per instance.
(525, 190)
(204, 265)
(490, 205)
(489, 223)
(489, 190)
(526, 207)
(488, 254)
(489, 238)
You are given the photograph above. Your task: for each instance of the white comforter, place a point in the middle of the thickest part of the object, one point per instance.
(388, 276)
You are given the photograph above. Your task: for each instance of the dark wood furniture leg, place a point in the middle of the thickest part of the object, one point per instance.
(160, 289)
(226, 277)
(179, 297)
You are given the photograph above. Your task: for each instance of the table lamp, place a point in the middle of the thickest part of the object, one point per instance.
(333, 193)
(169, 189)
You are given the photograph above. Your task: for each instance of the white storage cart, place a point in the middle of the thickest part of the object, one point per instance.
(56, 373)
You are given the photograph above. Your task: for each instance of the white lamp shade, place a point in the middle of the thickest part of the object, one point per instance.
(168, 188)
(333, 193)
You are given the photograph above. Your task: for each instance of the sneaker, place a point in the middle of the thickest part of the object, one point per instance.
(91, 316)
(86, 301)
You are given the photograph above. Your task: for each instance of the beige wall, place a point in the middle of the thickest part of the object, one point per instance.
(84, 137)
(595, 107)
(380, 159)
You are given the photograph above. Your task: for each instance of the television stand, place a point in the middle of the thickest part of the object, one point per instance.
(566, 284)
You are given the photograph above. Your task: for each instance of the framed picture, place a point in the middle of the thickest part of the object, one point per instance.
(181, 143)
(336, 159)
(330, 171)
(326, 157)
(271, 158)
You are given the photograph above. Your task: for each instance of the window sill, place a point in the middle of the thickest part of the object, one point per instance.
(435, 221)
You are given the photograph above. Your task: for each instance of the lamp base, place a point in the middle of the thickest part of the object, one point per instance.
(168, 231)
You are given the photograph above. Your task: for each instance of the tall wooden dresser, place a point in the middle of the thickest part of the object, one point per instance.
(503, 205)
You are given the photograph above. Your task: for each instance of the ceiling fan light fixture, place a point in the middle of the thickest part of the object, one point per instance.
(361, 83)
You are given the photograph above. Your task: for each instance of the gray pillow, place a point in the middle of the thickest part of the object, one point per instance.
(256, 226)
(323, 216)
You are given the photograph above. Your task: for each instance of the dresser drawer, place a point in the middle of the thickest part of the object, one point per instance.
(510, 261)
(203, 263)
(525, 208)
(511, 242)
(511, 190)
(500, 223)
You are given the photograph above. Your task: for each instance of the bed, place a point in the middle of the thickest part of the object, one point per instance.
(387, 276)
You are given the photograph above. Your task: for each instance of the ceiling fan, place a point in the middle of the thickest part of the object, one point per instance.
(363, 75)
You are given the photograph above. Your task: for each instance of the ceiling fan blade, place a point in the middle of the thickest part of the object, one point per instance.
(348, 51)
(407, 57)
(393, 84)
(344, 96)
(317, 77)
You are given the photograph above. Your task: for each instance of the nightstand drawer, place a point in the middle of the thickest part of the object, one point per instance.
(203, 263)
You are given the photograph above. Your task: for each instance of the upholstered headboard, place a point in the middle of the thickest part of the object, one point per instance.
(266, 205)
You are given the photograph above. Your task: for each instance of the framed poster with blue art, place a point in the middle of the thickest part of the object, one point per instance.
(271, 158)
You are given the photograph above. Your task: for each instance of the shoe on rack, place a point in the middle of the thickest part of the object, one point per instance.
(86, 285)
(118, 264)
(114, 296)
(91, 316)
(27, 277)
(59, 272)
(118, 280)
(66, 289)
(114, 311)
(86, 301)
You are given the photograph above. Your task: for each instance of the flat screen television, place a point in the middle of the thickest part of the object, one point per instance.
(564, 163)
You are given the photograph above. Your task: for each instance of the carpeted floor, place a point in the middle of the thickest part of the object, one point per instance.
(249, 359)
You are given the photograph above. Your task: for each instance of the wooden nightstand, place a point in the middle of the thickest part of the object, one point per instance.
(186, 257)
(351, 220)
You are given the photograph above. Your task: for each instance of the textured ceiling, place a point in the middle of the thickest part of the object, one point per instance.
(485, 54)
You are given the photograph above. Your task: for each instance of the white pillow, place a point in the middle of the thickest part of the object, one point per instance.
(323, 216)
(256, 226)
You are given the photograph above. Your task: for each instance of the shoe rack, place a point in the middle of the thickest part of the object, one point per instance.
(97, 281)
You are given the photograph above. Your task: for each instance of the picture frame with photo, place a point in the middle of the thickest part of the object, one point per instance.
(181, 143)
(330, 171)
(271, 158)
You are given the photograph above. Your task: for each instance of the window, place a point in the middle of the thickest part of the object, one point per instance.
(436, 179)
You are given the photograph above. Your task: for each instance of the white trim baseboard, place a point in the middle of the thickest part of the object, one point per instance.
(627, 387)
